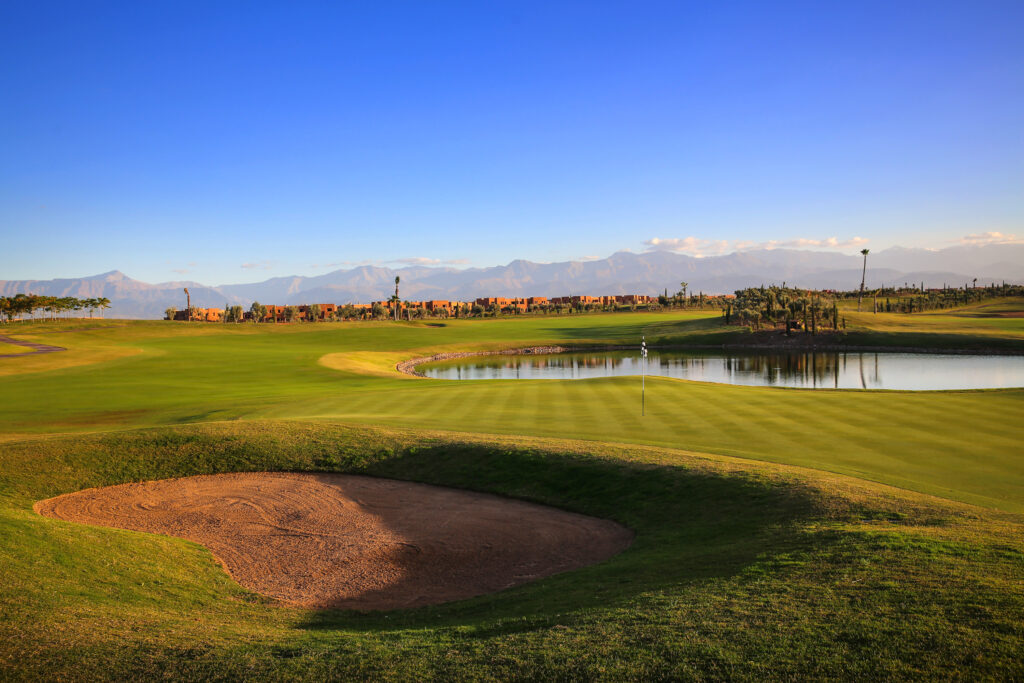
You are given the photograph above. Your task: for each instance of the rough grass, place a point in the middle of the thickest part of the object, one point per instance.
(995, 324)
(739, 571)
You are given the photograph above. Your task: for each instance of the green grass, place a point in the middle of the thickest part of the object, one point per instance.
(13, 349)
(738, 571)
(182, 373)
(768, 545)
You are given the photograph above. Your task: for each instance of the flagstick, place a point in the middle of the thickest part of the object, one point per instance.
(643, 376)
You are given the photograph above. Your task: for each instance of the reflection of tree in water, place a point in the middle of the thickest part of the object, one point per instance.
(815, 369)
(795, 369)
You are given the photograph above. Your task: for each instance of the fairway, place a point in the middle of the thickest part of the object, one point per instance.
(149, 374)
(870, 533)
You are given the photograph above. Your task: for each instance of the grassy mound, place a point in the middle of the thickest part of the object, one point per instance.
(739, 570)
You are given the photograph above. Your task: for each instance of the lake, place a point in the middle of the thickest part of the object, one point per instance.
(798, 369)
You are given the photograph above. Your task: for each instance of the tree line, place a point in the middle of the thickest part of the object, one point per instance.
(257, 312)
(813, 310)
(20, 305)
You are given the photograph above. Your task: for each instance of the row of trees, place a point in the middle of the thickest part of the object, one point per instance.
(686, 299)
(258, 312)
(21, 305)
(914, 300)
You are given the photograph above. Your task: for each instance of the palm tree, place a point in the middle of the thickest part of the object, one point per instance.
(863, 273)
(397, 279)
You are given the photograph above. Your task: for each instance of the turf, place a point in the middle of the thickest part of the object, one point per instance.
(13, 349)
(768, 545)
(160, 373)
(738, 571)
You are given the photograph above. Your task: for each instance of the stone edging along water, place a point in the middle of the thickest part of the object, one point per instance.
(408, 367)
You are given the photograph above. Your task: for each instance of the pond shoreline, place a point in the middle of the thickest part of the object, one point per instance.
(409, 367)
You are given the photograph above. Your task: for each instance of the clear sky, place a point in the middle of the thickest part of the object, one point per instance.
(229, 142)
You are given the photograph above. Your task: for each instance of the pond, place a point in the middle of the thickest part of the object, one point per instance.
(800, 369)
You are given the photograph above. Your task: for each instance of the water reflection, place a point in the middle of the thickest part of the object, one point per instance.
(818, 370)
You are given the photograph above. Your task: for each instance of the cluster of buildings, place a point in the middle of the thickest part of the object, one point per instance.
(521, 304)
(433, 307)
(272, 313)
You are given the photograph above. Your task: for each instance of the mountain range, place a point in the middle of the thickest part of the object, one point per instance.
(621, 273)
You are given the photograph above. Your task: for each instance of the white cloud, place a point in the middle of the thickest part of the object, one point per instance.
(418, 261)
(696, 246)
(426, 261)
(259, 265)
(181, 271)
(336, 264)
(827, 243)
(984, 238)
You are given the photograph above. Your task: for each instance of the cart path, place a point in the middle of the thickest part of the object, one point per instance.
(36, 348)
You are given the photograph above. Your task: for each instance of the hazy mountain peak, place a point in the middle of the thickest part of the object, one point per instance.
(623, 272)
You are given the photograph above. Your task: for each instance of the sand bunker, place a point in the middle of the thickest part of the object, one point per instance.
(331, 540)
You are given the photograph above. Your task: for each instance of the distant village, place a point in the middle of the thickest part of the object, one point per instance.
(411, 310)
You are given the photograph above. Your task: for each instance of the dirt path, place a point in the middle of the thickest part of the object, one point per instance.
(36, 348)
(331, 540)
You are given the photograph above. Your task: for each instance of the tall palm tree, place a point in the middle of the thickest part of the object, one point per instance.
(397, 279)
(863, 273)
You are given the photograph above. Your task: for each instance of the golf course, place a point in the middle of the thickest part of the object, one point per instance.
(775, 532)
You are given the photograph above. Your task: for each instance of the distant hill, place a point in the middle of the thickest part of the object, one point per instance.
(621, 273)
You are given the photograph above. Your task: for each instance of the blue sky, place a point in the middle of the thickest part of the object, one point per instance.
(230, 142)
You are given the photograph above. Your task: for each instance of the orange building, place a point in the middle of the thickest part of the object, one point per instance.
(326, 311)
(206, 315)
(438, 306)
